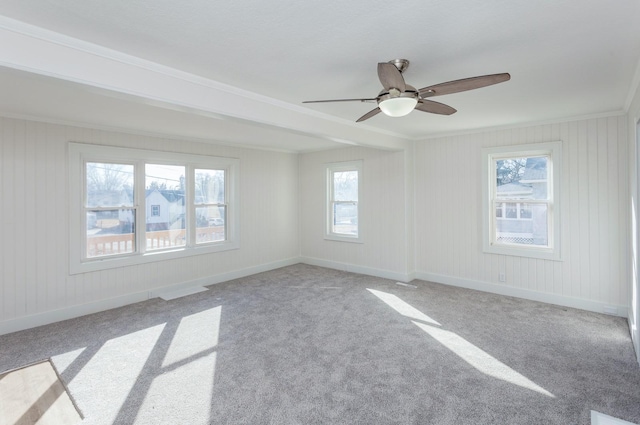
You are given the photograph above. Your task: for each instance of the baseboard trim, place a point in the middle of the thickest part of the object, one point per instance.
(40, 319)
(370, 271)
(562, 300)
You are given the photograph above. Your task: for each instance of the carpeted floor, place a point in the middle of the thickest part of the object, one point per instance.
(307, 345)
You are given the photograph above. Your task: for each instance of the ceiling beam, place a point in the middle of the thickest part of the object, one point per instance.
(32, 49)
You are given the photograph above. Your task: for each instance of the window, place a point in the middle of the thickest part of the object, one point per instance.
(210, 205)
(109, 209)
(134, 206)
(521, 214)
(343, 190)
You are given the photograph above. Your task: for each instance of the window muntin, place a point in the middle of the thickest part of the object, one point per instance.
(121, 225)
(522, 187)
(343, 184)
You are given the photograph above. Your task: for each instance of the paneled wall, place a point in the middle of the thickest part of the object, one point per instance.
(34, 241)
(634, 257)
(384, 250)
(594, 210)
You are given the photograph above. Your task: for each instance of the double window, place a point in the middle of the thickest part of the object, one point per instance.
(132, 206)
(521, 211)
(343, 192)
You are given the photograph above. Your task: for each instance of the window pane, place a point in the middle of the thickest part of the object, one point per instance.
(110, 232)
(109, 185)
(210, 224)
(345, 218)
(532, 230)
(511, 210)
(499, 210)
(522, 178)
(165, 221)
(345, 185)
(209, 186)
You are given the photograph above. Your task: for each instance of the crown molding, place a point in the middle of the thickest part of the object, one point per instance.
(522, 125)
(633, 88)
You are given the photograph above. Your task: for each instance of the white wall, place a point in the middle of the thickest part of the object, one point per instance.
(383, 220)
(420, 213)
(35, 286)
(634, 194)
(594, 207)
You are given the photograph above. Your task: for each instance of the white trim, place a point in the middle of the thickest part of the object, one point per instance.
(79, 152)
(353, 268)
(635, 83)
(478, 131)
(41, 319)
(553, 150)
(528, 294)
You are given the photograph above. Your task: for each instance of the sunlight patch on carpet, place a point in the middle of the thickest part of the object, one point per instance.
(468, 352)
(116, 366)
(402, 307)
(183, 393)
(196, 333)
(64, 360)
(598, 418)
(481, 360)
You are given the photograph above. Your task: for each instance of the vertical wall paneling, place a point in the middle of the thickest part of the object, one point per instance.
(593, 177)
(613, 206)
(382, 218)
(18, 237)
(34, 274)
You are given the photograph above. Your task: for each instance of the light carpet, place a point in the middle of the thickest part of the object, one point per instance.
(308, 345)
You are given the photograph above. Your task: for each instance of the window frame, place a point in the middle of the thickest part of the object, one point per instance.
(80, 154)
(552, 150)
(332, 168)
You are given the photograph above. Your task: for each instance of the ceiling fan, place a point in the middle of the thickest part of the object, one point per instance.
(397, 98)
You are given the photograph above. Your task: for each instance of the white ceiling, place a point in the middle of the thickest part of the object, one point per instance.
(567, 58)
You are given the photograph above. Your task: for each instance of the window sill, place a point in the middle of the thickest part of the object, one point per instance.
(345, 238)
(106, 263)
(528, 252)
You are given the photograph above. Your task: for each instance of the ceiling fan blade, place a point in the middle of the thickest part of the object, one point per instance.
(390, 77)
(435, 107)
(465, 84)
(369, 114)
(341, 100)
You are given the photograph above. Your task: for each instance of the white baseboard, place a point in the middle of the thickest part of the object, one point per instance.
(26, 322)
(40, 319)
(579, 303)
(370, 271)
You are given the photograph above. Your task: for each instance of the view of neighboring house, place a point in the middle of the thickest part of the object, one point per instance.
(518, 219)
(164, 209)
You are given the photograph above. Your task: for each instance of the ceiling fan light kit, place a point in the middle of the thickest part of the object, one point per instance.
(398, 99)
(396, 104)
